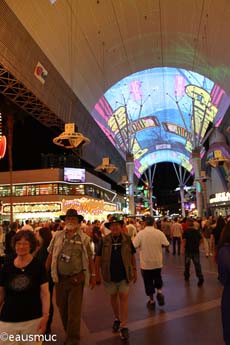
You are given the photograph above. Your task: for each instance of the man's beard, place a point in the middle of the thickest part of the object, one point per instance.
(70, 226)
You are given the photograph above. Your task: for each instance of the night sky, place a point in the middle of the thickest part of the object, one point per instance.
(30, 139)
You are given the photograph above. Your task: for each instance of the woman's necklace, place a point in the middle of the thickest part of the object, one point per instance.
(116, 242)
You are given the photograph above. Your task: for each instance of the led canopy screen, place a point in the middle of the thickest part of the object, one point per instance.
(160, 114)
(74, 175)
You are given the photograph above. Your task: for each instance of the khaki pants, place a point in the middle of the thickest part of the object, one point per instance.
(69, 301)
(17, 333)
(208, 247)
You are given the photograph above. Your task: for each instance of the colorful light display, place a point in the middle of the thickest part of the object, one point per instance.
(159, 113)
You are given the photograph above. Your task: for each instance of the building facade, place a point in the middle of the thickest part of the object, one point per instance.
(45, 194)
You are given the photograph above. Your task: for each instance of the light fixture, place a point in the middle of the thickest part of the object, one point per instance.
(217, 160)
(124, 181)
(203, 177)
(228, 129)
(106, 167)
(69, 138)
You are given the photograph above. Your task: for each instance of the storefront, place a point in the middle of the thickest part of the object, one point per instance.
(45, 196)
(91, 209)
(45, 211)
(219, 204)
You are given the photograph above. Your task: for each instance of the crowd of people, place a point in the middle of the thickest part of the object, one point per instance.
(72, 254)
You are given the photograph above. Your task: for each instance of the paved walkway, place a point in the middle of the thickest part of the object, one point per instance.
(190, 316)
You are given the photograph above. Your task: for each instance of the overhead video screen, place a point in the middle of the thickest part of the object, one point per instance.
(160, 114)
(74, 175)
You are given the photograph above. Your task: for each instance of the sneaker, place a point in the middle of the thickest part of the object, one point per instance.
(200, 282)
(124, 333)
(151, 304)
(116, 326)
(160, 299)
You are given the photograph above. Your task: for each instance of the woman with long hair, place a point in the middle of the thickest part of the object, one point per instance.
(44, 236)
(223, 259)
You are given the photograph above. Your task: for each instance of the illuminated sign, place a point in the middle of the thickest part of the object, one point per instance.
(108, 207)
(220, 197)
(2, 140)
(33, 208)
(154, 113)
(84, 205)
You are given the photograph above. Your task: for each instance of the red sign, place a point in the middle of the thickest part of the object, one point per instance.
(40, 73)
(2, 146)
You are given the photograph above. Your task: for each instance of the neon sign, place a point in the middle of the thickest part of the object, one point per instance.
(220, 197)
(2, 140)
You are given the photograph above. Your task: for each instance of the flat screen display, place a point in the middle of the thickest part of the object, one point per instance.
(160, 114)
(74, 175)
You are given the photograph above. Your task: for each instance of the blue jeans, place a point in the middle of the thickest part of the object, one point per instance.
(195, 257)
(176, 241)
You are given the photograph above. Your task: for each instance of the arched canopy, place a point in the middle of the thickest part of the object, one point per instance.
(160, 114)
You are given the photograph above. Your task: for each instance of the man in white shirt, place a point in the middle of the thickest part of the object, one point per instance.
(150, 242)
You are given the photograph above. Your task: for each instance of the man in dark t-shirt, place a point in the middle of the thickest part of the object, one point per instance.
(116, 260)
(191, 243)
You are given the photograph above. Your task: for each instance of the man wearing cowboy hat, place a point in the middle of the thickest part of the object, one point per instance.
(72, 268)
(116, 260)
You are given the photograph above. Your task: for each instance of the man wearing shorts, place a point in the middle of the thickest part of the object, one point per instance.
(150, 241)
(116, 261)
